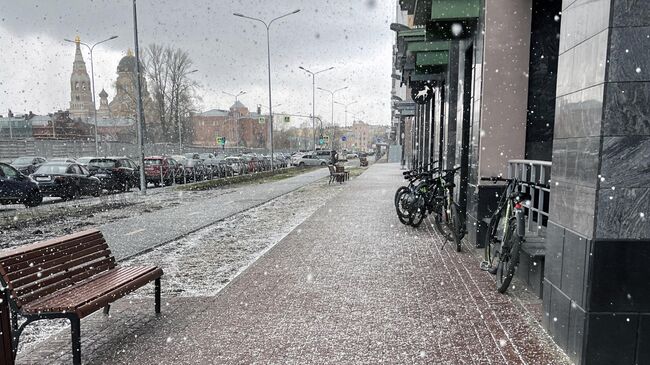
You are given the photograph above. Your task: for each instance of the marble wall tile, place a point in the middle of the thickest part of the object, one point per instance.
(573, 206)
(577, 321)
(627, 110)
(579, 114)
(575, 160)
(623, 213)
(581, 20)
(630, 13)
(584, 65)
(559, 318)
(554, 250)
(574, 263)
(611, 338)
(625, 162)
(628, 54)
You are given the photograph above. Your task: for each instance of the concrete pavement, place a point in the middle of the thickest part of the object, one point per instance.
(349, 285)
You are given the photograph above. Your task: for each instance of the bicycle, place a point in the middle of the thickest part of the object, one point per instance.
(502, 247)
(406, 196)
(447, 219)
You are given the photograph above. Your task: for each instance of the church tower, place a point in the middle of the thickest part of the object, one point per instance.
(81, 101)
(103, 111)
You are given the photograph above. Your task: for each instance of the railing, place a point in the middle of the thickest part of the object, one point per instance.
(538, 172)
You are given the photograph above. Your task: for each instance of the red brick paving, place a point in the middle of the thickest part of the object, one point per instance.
(349, 285)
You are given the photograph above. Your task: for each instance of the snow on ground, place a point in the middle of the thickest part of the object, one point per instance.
(204, 262)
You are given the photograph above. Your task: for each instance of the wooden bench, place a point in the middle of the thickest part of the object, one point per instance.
(67, 277)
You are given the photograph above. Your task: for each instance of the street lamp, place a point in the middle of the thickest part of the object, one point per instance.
(346, 110)
(236, 96)
(332, 92)
(268, 54)
(138, 101)
(313, 96)
(92, 80)
(178, 120)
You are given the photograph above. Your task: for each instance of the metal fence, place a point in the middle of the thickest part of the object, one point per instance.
(12, 148)
(538, 172)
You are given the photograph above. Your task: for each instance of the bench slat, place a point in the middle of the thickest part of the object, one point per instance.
(92, 290)
(26, 252)
(83, 258)
(29, 293)
(53, 253)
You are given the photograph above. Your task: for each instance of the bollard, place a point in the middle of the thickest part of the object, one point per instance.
(194, 173)
(184, 176)
(162, 183)
(174, 176)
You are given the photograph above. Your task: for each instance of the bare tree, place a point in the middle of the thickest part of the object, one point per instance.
(173, 91)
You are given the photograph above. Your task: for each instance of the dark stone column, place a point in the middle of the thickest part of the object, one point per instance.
(596, 292)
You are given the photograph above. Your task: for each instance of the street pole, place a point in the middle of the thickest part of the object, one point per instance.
(140, 111)
(92, 82)
(313, 96)
(332, 92)
(268, 55)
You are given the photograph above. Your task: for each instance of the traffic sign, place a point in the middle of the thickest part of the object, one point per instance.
(321, 141)
(344, 138)
(261, 120)
(221, 140)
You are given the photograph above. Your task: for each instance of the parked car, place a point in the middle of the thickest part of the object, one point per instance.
(162, 170)
(295, 159)
(351, 156)
(115, 173)
(311, 160)
(325, 155)
(17, 188)
(224, 167)
(83, 161)
(27, 165)
(62, 160)
(195, 170)
(237, 165)
(66, 180)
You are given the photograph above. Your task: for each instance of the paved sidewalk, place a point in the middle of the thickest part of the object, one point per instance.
(349, 285)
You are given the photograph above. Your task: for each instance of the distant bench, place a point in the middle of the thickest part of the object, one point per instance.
(67, 277)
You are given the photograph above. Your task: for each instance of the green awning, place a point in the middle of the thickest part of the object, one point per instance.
(436, 58)
(454, 9)
(428, 46)
(412, 34)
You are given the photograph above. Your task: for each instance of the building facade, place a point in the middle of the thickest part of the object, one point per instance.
(557, 83)
(241, 127)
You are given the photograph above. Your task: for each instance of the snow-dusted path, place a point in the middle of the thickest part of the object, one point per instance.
(349, 285)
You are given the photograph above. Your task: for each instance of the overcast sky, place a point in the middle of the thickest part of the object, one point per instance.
(229, 52)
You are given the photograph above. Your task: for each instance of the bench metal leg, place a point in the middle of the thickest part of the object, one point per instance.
(75, 326)
(107, 309)
(157, 295)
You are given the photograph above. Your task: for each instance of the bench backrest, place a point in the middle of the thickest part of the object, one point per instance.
(38, 269)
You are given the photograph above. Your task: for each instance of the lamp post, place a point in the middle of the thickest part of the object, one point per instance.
(178, 119)
(138, 100)
(332, 92)
(268, 54)
(346, 110)
(313, 97)
(92, 81)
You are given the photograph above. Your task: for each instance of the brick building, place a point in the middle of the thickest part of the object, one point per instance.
(240, 127)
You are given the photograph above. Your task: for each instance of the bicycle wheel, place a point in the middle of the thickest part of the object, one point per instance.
(440, 221)
(508, 258)
(417, 217)
(456, 227)
(491, 241)
(402, 206)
